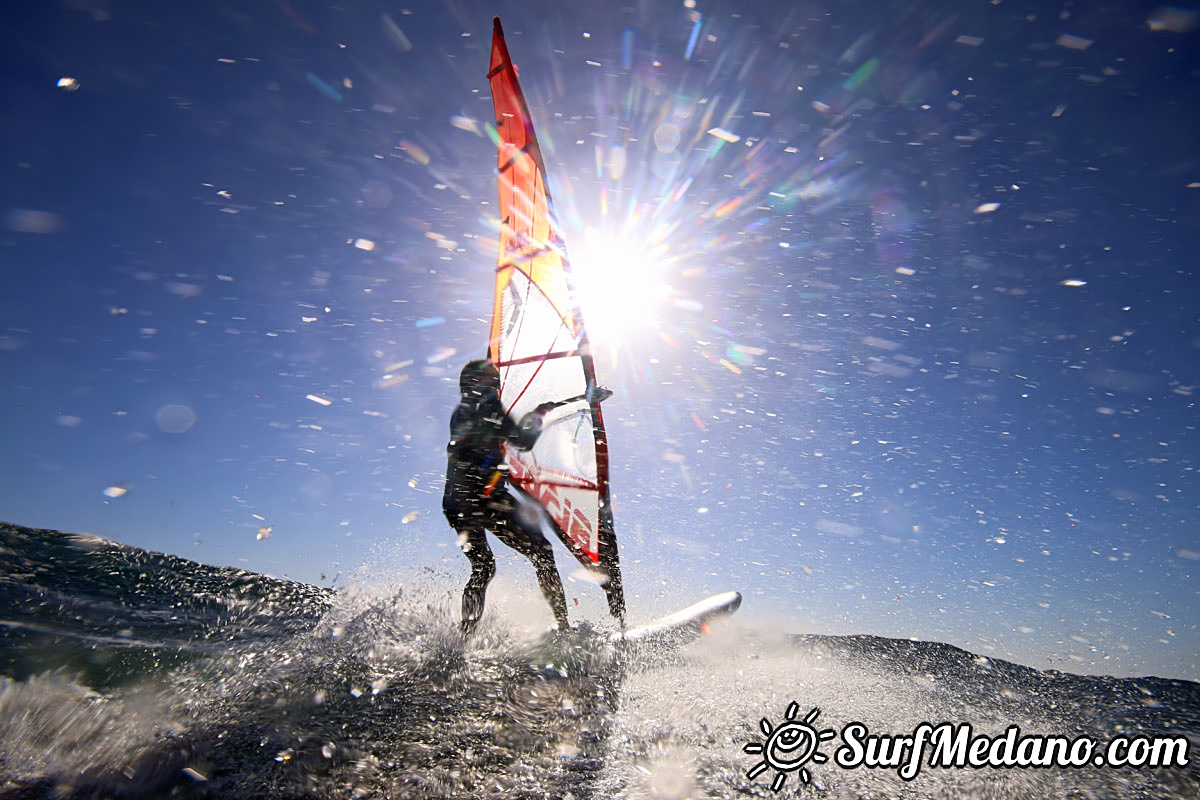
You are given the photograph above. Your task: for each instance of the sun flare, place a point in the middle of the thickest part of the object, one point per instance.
(620, 283)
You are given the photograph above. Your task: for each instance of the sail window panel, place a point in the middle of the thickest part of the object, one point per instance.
(530, 326)
(557, 379)
(567, 447)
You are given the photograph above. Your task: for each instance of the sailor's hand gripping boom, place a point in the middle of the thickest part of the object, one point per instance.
(531, 425)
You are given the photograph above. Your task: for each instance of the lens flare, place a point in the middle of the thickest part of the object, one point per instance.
(620, 284)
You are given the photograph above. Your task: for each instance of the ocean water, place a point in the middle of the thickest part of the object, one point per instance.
(133, 674)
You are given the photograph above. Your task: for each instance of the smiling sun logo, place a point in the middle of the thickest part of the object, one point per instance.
(789, 747)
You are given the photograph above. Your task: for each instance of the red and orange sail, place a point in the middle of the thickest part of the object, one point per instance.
(539, 344)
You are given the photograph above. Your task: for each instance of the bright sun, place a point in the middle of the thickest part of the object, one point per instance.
(620, 283)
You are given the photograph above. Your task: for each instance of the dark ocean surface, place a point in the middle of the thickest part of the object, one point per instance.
(134, 674)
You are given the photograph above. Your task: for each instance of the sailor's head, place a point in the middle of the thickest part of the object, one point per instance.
(478, 377)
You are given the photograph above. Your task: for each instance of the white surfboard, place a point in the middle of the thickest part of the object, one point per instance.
(563, 653)
(683, 624)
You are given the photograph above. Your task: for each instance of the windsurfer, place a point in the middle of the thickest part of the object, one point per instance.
(477, 497)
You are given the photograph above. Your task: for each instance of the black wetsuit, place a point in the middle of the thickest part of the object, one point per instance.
(477, 497)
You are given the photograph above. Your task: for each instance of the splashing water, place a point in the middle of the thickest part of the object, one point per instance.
(205, 682)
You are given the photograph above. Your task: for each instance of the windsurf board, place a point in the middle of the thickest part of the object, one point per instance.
(687, 623)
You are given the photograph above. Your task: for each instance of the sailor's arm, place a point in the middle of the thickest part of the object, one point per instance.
(524, 434)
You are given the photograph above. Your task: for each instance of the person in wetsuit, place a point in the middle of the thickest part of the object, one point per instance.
(477, 497)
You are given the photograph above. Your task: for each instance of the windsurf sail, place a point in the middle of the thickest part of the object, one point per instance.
(540, 346)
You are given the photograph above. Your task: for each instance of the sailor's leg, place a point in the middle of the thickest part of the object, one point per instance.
(529, 542)
(474, 544)
(615, 593)
(611, 566)
(542, 556)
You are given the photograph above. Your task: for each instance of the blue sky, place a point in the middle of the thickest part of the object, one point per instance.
(914, 346)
